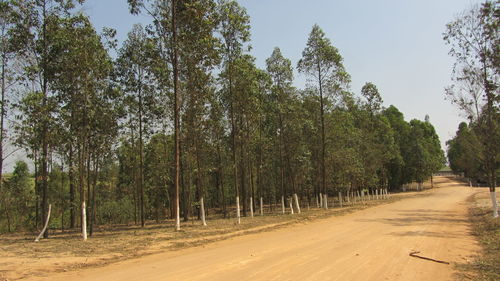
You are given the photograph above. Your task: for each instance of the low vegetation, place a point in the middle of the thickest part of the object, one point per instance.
(485, 266)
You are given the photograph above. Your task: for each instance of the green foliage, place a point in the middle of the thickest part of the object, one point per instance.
(16, 196)
(120, 211)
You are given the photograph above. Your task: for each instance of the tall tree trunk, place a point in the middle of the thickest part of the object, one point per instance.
(490, 138)
(323, 145)
(2, 109)
(186, 188)
(45, 187)
(63, 205)
(199, 182)
(176, 113)
(44, 132)
(72, 203)
(37, 188)
(89, 193)
(251, 190)
(92, 199)
(235, 168)
(141, 159)
(242, 183)
(81, 175)
(221, 180)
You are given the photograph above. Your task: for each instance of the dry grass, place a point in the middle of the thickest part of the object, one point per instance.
(485, 266)
(21, 257)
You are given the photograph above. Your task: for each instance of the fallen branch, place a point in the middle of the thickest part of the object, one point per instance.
(45, 226)
(414, 254)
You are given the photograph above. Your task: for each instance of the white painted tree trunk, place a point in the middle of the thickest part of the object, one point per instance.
(251, 206)
(340, 199)
(178, 218)
(283, 204)
(45, 225)
(291, 207)
(261, 206)
(202, 206)
(494, 202)
(297, 205)
(321, 200)
(325, 201)
(376, 193)
(470, 183)
(84, 222)
(238, 209)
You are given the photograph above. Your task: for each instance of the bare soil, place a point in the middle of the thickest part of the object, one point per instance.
(355, 243)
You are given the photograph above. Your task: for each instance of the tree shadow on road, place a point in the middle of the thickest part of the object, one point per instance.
(421, 218)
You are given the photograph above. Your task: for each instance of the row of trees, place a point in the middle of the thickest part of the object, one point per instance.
(475, 44)
(183, 120)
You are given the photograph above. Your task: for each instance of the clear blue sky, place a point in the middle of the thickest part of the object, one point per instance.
(396, 44)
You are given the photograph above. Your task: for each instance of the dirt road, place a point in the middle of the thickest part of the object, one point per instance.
(373, 244)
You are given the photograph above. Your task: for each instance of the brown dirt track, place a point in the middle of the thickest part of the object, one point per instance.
(372, 244)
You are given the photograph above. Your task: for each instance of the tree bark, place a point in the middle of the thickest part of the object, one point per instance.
(45, 225)
(283, 204)
(251, 206)
(141, 159)
(72, 206)
(297, 205)
(176, 113)
(84, 222)
(323, 145)
(261, 206)
(202, 208)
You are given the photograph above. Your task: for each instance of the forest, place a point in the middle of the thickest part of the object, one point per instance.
(178, 121)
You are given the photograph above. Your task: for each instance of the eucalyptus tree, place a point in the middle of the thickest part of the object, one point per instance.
(378, 147)
(166, 19)
(426, 156)
(138, 80)
(464, 153)
(281, 72)
(234, 29)
(397, 168)
(322, 62)
(243, 109)
(8, 48)
(199, 55)
(84, 100)
(474, 41)
(32, 30)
